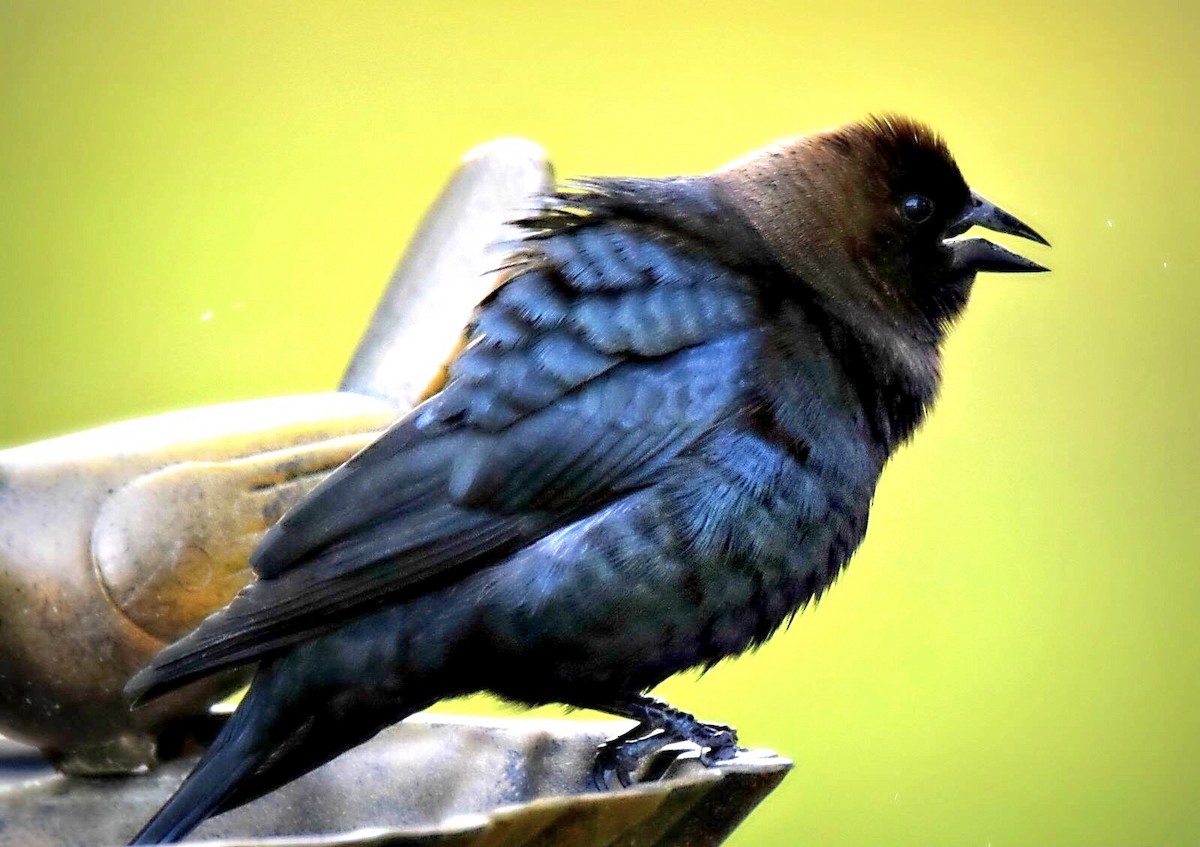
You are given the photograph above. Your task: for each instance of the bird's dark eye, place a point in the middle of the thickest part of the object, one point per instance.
(916, 207)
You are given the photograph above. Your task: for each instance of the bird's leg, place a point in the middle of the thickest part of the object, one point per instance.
(659, 724)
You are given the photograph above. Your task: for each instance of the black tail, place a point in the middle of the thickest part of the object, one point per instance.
(274, 737)
(204, 790)
(235, 754)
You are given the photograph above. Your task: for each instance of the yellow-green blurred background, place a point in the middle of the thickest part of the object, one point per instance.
(200, 202)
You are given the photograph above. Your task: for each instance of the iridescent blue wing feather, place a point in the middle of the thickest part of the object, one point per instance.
(608, 352)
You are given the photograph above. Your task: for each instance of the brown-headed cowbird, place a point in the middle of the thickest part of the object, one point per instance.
(660, 441)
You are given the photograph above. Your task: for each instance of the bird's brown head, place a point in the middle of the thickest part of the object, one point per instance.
(868, 215)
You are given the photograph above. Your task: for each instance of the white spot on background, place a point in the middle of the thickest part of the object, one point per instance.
(1110, 224)
(207, 316)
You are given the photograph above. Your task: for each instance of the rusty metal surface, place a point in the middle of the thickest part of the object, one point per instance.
(433, 779)
(115, 541)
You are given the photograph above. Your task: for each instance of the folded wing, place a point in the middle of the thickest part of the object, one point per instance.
(610, 350)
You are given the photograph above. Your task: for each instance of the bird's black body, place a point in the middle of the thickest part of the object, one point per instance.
(656, 446)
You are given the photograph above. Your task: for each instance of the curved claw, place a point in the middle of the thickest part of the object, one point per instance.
(719, 753)
(609, 759)
(719, 743)
(603, 775)
(659, 724)
(609, 765)
(622, 756)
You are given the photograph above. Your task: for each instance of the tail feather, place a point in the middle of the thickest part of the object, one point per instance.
(322, 737)
(213, 780)
(279, 732)
(235, 754)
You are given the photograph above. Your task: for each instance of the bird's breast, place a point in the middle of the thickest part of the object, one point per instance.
(765, 530)
(703, 565)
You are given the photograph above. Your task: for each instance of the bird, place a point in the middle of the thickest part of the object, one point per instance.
(659, 440)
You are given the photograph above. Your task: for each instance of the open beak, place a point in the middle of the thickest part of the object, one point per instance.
(979, 254)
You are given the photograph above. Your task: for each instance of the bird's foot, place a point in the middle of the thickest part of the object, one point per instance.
(659, 725)
(617, 760)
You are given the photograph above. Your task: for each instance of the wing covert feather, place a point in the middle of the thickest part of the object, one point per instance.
(566, 395)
